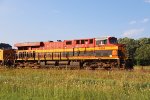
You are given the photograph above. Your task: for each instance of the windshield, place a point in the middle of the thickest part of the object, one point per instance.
(113, 40)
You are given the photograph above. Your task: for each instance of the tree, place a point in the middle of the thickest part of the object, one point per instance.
(5, 46)
(131, 46)
(143, 54)
(143, 41)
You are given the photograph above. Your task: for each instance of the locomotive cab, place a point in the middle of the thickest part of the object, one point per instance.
(106, 40)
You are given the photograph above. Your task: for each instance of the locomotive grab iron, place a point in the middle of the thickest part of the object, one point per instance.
(92, 53)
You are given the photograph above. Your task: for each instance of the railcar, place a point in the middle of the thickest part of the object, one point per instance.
(92, 53)
(7, 57)
(6, 54)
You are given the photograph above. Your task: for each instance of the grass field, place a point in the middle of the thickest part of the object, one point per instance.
(43, 84)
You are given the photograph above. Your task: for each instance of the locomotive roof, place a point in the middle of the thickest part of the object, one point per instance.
(102, 38)
(39, 43)
(27, 44)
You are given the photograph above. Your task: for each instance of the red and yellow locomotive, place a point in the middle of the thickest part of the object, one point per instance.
(104, 52)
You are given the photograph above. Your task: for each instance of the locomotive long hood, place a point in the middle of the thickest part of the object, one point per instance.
(27, 44)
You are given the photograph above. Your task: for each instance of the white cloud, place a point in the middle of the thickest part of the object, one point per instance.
(132, 32)
(145, 20)
(133, 22)
(147, 1)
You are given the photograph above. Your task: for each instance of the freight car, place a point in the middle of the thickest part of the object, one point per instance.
(6, 54)
(91, 53)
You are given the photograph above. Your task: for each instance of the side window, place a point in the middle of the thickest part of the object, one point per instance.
(91, 41)
(68, 42)
(98, 42)
(77, 41)
(82, 41)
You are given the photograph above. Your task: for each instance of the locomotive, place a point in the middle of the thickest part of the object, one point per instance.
(90, 53)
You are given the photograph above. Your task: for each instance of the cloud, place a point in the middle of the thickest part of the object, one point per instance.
(132, 32)
(145, 20)
(133, 22)
(147, 1)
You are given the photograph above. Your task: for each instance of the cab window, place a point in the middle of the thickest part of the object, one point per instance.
(104, 41)
(101, 42)
(113, 40)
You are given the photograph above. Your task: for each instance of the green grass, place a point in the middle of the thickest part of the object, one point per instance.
(42, 84)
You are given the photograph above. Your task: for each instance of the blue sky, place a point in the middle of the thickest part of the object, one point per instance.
(43, 20)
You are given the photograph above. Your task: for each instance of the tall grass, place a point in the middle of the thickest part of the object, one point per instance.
(42, 84)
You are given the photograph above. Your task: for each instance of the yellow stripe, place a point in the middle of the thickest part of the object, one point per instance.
(71, 50)
(72, 58)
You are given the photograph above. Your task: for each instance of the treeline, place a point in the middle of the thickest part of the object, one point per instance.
(138, 50)
(5, 46)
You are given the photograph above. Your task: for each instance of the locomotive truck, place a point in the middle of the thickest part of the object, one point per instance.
(91, 53)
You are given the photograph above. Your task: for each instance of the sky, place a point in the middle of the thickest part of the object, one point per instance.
(45, 20)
